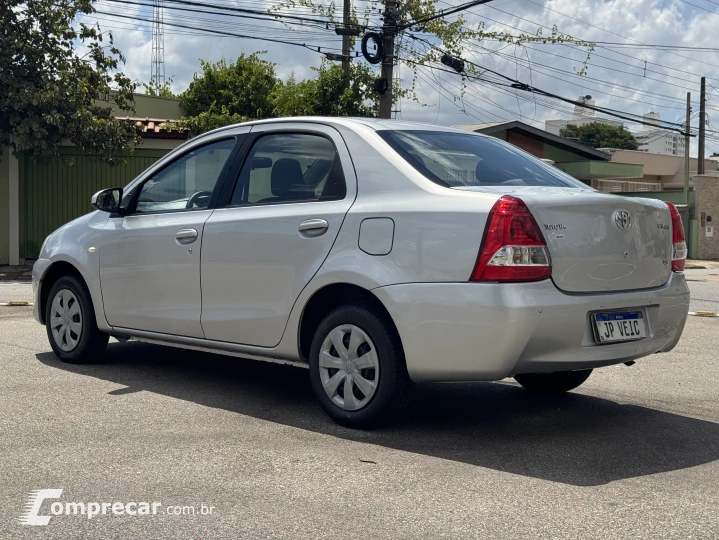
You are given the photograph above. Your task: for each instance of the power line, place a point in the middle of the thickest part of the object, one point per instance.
(214, 31)
(443, 13)
(598, 28)
(585, 78)
(574, 47)
(577, 48)
(514, 83)
(263, 15)
(232, 25)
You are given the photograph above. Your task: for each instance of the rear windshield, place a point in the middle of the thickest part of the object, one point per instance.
(469, 160)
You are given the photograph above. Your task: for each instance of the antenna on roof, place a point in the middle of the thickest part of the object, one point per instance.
(157, 64)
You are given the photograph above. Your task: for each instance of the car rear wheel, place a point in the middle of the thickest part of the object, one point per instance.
(357, 367)
(552, 383)
(70, 323)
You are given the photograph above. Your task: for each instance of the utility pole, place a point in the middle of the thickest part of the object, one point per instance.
(388, 30)
(702, 126)
(346, 43)
(686, 148)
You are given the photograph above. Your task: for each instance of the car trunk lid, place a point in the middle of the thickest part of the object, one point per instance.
(600, 242)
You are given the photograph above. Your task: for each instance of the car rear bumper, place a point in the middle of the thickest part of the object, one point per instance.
(489, 331)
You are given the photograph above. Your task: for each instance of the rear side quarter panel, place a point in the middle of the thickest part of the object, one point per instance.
(437, 230)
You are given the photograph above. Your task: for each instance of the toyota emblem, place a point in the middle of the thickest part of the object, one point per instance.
(622, 219)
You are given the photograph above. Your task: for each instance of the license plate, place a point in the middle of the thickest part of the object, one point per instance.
(619, 326)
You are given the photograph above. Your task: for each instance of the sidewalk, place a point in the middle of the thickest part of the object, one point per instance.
(702, 265)
(16, 273)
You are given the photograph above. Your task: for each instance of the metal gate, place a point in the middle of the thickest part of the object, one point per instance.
(53, 192)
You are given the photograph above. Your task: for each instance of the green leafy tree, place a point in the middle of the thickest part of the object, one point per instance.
(294, 98)
(328, 94)
(154, 88)
(206, 121)
(599, 135)
(239, 88)
(50, 92)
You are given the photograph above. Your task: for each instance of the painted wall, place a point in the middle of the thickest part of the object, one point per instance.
(706, 188)
(153, 107)
(668, 169)
(57, 191)
(558, 155)
(4, 214)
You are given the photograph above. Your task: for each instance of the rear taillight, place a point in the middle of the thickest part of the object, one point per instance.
(679, 245)
(513, 248)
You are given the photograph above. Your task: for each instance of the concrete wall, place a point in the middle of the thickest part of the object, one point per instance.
(706, 189)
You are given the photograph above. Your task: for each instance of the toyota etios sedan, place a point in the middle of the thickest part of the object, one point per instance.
(374, 252)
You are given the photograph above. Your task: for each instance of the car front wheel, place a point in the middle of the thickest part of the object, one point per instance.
(357, 367)
(557, 382)
(70, 323)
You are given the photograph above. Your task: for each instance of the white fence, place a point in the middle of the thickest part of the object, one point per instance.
(625, 185)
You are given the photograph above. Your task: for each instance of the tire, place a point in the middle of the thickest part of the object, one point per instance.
(554, 383)
(359, 328)
(84, 343)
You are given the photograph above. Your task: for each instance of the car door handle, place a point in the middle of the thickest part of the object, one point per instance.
(185, 236)
(313, 227)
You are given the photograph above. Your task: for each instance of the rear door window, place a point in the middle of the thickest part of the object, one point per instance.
(290, 167)
(470, 160)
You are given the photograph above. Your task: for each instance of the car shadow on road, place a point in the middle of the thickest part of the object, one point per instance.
(573, 439)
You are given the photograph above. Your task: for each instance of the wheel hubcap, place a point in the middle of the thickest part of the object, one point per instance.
(349, 367)
(66, 320)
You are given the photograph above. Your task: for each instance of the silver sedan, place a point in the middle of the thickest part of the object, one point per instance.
(374, 252)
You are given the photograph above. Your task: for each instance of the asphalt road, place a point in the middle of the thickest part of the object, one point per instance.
(634, 453)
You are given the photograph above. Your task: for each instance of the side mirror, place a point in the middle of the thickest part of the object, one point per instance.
(107, 200)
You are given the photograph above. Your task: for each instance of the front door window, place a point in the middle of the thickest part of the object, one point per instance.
(188, 182)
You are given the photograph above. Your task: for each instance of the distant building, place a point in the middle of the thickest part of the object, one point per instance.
(660, 172)
(580, 117)
(659, 141)
(580, 161)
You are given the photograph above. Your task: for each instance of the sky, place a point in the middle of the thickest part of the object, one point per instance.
(625, 72)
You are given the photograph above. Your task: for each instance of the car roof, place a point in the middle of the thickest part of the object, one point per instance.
(378, 124)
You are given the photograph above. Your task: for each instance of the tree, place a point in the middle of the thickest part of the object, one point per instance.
(293, 98)
(328, 94)
(240, 88)
(207, 121)
(50, 92)
(599, 135)
(334, 98)
(154, 88)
